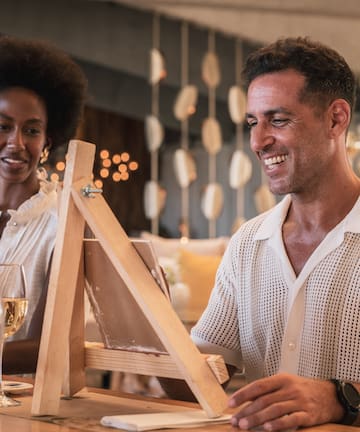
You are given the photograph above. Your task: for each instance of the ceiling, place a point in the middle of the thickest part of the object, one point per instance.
(333, 22)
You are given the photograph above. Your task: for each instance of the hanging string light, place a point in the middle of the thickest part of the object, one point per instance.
(117, 167)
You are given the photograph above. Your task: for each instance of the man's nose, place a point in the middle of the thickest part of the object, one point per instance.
(260, 138)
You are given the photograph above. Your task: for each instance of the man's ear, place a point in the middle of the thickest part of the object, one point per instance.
(340, 116)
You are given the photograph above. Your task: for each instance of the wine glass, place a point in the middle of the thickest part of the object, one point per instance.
(13, 309)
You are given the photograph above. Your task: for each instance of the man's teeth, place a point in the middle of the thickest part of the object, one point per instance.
(275, 160)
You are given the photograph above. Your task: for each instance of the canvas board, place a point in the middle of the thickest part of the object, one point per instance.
(121, 323)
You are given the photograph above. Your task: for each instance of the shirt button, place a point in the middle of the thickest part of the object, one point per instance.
(292, 346)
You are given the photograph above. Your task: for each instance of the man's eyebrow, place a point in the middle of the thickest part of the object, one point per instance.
(271, 112)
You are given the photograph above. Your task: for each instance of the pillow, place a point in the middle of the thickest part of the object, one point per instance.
(169, 246)
(198, 273)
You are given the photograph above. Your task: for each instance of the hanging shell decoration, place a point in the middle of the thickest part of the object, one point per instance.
(212, 201)
(237, 104)
(184, 167)
(264, 198)
(157, 66)
(240, 169)
(211, 135)
(154, 133)
(185, 103)
(210, 70)
(154, 199)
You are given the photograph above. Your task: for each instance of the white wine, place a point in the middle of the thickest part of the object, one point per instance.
(15, 311)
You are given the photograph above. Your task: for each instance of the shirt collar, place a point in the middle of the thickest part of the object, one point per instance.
(42, 201)
(276, 216)
(274, 219)
(351, 222)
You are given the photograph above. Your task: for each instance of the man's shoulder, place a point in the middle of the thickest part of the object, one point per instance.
(250, 227)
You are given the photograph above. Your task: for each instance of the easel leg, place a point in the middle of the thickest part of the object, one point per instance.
(74, 379)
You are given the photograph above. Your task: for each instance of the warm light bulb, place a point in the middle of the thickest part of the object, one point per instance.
(133, 166)
(125, 156)
(104, 154)
(104, 173)
(106, 163)
(60, 166)
(122, 168)
(124, 176)
(98, 183)
(116, 159)
(116, 176)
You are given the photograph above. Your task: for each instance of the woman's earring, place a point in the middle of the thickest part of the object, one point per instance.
(44, 155)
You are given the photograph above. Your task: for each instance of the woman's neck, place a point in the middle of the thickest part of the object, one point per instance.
(12, 195)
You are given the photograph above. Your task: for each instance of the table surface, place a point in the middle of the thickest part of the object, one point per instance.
(83, 412)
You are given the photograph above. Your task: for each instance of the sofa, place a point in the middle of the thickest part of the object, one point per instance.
(190, 266)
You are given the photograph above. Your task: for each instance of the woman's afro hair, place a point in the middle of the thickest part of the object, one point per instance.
(51, 74)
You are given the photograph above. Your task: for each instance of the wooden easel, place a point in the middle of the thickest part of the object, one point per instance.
(62, 349)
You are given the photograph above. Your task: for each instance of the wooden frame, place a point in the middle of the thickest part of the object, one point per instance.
(62, 348)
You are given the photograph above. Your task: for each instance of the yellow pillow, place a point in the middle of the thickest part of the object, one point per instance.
(198, 272)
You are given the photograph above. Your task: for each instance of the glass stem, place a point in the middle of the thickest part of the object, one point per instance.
(2, 339)
(1, 377)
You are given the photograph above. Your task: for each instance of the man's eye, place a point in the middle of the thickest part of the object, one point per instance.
(279, 122)
(251, 124)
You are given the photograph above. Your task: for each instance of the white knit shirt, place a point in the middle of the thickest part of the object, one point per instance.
(29, 239)
(262, 317)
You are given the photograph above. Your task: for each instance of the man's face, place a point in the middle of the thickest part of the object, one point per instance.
(288, 136)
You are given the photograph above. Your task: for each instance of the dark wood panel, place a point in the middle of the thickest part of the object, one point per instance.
(119, 134)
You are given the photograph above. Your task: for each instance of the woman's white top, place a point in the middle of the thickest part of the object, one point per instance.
(29, 239)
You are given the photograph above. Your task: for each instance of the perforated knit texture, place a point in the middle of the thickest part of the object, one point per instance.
(249, 305)
(331, 333)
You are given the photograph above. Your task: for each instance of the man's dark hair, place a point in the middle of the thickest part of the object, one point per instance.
(52, 75)
(327, 75)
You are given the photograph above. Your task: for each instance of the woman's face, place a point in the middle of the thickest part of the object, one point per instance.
(23, 123)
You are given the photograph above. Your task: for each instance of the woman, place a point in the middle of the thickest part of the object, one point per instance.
(42, 92)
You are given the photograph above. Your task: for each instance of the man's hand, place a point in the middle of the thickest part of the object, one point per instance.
(285, 401)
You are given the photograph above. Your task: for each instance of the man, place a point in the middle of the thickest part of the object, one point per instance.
(286, 303)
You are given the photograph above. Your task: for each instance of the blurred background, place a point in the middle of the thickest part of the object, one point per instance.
(165, 102)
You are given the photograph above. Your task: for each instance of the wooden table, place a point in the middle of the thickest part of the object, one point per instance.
(83, 413)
